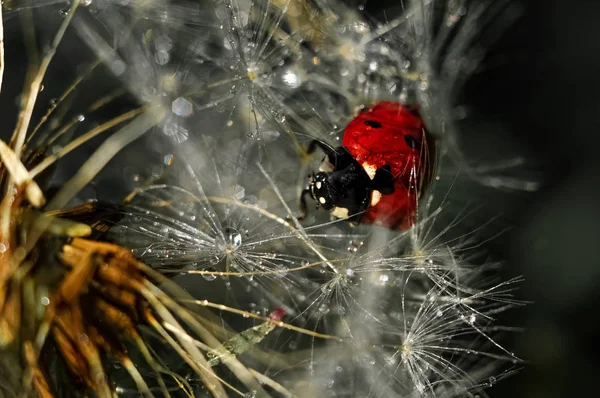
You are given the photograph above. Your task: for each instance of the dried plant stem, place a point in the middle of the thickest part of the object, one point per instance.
(109, 148)
(271, 383)
(39, 381)
(20, 176)
(1, 49)
(211, 381)
(164, 301)
(18, 138)
(260, 273)
(281, 324)
(49, 160)
(44, 141)
(68, 91)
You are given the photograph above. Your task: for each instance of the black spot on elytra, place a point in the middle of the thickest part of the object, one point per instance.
(412, 141)
(372, 123)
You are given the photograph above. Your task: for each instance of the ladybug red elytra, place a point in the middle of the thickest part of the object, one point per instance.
(377, 175)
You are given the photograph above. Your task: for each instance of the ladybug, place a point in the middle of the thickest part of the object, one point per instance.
(377, 175)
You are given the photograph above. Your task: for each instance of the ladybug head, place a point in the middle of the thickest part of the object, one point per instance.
(343, 187)
(322, 188)
(344, 192)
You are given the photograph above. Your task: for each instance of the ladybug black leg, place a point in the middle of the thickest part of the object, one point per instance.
(303, 204)
(383, 181)
(339, 157)
(332, 153)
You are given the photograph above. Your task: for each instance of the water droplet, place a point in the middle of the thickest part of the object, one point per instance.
(471, 319)
(117, 67)
(229, 123)
(163, 43)
(45, 300)
(182, 107)
(168, 159)
(211, 276)
(233, 238)
(2, 247)
(352, 247)
(292, 79)
(270, 135)
(383, 279)
(323, 309)
(162, 57)
(238, 192)
(80, 118)
(53, 101)
(65, 11)
(492, 380)
(420, 387)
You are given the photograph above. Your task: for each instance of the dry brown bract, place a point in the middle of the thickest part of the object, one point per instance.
(97, 308)
(94, 309)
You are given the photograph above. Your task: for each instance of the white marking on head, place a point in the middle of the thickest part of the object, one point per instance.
(340, 212)
(322, 200)
(318, 184)
(370, 168)
(326, 165)
(375, 197)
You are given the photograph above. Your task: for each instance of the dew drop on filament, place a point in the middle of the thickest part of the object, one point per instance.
(352, 247)
(210, 276)
(233, 238)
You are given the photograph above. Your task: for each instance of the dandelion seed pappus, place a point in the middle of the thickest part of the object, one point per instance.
(377, 175)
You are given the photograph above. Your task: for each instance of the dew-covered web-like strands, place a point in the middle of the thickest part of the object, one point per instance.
(150, 240)
(179, 231)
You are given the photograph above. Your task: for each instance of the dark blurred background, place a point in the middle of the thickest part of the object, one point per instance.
(545, 91)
